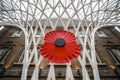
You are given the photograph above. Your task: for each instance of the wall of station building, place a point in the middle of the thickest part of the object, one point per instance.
(14, 46)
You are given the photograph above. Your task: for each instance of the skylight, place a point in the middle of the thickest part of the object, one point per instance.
(56, 8)
(65, 12)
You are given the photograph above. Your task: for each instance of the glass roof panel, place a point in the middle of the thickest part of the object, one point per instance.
(47, 9)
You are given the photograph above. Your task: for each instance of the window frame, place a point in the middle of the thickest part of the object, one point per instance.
(16, 31)
(98, 32)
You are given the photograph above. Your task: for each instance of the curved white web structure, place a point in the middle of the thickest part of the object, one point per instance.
(86, 15)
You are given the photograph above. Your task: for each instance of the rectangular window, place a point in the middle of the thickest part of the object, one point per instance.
(98, 57)
(17, 33)
(38, 33)
(115, 54)
(100, 33)
(4, 53)
(21, 58)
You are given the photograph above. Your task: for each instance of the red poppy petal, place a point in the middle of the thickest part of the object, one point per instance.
(60, 54)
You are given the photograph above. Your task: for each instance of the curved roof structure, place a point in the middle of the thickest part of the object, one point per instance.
(96, 11)
(86, 15)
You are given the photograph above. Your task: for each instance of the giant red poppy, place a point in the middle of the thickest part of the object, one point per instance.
(60, 47)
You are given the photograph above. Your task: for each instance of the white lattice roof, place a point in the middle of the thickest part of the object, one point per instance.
(98, 11)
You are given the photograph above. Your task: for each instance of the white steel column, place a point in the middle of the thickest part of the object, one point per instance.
(69, 74)
(25, 68)
(95, 67)
(84, 72)
(36, 70)
(51, 73)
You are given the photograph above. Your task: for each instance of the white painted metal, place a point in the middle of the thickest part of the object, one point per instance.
(69, 74)
(51, 73)
(87, 15)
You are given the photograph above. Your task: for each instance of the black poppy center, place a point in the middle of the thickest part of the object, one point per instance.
(60, 42)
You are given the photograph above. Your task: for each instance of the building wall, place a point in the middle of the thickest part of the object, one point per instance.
(108, 69)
